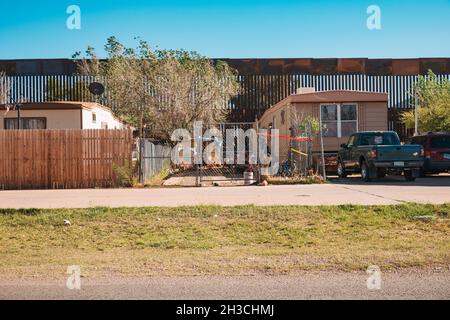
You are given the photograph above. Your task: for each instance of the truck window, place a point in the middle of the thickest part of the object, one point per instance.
(382, 138)
(351, 141)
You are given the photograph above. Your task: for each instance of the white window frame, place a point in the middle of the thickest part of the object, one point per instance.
(339, 121)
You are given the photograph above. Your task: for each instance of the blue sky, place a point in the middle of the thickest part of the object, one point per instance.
(230, 29)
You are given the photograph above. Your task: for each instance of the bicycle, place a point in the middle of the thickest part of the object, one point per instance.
(287, 168)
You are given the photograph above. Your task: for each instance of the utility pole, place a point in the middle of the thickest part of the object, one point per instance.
(322, 153)
(416, 115)
(18, 115)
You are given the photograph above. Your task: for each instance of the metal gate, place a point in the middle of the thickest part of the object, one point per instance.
(154, 159)
(212, 168)
(218, 167)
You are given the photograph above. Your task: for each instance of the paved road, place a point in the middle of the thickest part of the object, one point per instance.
(321, 285)
(351, 190)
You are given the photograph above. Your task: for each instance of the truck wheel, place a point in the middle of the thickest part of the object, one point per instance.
(365, 172)
(409, 175)
(341, 170)
(423, 174)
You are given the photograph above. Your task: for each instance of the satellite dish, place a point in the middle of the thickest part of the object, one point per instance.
(96, 88)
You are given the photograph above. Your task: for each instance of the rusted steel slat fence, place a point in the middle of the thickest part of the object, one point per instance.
(67, 158)
(257, 92)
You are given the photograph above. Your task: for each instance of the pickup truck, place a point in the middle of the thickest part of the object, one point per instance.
(374, 154)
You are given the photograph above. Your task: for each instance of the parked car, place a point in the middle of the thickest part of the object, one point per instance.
(374, 154)
(437, 151)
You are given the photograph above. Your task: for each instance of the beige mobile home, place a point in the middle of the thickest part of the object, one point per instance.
(341, 113)
(60, 115)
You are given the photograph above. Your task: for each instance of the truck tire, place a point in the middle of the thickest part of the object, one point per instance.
(341, 170)
(365, 172)
(423, 174)
(409, 175)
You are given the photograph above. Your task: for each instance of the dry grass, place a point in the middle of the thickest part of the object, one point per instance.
(280, 180)
(158, 179)
(222, 240)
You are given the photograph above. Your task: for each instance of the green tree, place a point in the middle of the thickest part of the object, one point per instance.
(162, 89)
(433, 96)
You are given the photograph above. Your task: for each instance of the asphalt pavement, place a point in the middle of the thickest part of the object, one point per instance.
(410, 284)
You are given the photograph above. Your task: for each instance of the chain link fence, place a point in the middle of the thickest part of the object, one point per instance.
(225, 158)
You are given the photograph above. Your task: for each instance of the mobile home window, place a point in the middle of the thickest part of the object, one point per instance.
(349, 120)
(329, 119)
(25, 123)
(339, 120)
(283, 114)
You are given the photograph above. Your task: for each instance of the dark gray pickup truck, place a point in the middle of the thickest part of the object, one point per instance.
(374, 154)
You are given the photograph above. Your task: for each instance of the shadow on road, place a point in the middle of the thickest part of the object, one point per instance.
(442, 180)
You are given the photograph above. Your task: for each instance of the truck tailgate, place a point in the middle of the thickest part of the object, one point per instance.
(398, 153)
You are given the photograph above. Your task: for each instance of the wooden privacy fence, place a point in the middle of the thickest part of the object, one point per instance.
(67, 158)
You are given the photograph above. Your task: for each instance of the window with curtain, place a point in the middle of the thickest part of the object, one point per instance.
(26, 123)
(329, 119)
(349, 120)
(339, 120)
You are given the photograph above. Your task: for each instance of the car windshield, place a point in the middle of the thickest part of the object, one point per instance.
(386, 138)
(440, 142)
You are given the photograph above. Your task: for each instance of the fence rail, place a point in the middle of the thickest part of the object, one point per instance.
(62, 158)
